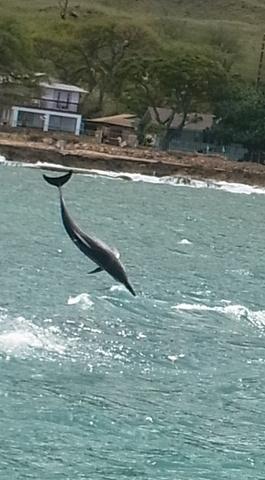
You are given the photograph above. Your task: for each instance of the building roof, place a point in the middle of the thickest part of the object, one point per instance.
(126, 120)
(47, 84)
(63, 86)
(195, 121)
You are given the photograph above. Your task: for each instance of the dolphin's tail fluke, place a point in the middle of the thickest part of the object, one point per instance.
(58, 181)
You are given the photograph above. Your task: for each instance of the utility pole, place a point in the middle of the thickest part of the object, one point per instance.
(261, 60)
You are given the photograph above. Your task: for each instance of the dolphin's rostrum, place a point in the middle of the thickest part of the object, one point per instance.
(105, 257)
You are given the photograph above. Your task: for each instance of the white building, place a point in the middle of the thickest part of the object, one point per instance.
(57, 109)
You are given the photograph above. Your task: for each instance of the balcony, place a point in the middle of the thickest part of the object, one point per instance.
(49, 104)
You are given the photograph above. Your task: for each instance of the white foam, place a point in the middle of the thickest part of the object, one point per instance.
(178, 181)
(219, 185)
(172, 358)
(140, 335)
(185, 241)
(256, 317)
(83, 300)
(239, 188)
(196, 307)
(137, 177)
(234, 310)
(19, 336)
(13, 340)
(9, 163)
(149, 419)
(118, 288)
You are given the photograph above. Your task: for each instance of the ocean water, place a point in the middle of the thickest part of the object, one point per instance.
(96, 384)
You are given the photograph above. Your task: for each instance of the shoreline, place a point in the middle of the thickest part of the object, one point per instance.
(82, 156)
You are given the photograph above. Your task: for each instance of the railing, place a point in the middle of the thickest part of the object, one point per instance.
(49, 104)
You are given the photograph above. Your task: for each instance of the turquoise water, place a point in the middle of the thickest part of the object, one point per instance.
(96, 384)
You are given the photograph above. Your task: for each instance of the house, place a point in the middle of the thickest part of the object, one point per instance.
(193, 136)
(115, 129)
(57, 109)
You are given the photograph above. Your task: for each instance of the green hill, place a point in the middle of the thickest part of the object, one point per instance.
(245, 11)
(189, 21)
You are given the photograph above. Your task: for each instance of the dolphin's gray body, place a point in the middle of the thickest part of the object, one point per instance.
(106, 258)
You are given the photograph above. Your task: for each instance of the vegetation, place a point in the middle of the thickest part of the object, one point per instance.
(131, 54)
(184, 81)
(92, 53)
(193, 22)
(240, 118)
(16, 61)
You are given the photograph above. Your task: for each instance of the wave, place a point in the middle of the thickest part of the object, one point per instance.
(183, 181)
(235, 311)
(20, 337)
(83, 300)
(184, 241)
(118, 288)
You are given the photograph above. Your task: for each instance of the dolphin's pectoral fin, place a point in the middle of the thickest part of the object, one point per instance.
(96, 270)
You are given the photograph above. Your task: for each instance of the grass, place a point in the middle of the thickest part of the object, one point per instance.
(246, 11)
(186, 20)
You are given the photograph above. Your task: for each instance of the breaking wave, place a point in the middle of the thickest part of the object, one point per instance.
(255, 317)
(137, 177)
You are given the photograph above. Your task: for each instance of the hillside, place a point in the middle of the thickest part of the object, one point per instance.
(245, 11)
(190, 21)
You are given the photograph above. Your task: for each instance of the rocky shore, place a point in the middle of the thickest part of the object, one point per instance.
(79, 154)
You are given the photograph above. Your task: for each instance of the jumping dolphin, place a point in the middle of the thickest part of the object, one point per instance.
(105, 257)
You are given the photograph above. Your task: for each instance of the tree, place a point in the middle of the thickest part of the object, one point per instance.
(240, 118)
(103, 47)
(183, 81)
(16, 51)
(92, 54)
(16, 61)
(63, 8)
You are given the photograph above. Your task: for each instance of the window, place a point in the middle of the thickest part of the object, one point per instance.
(63, 124)
(30, 119)
(62, 100)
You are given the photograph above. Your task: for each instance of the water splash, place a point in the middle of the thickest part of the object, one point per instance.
(118, 288)
(83, 300)
(20, 337)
